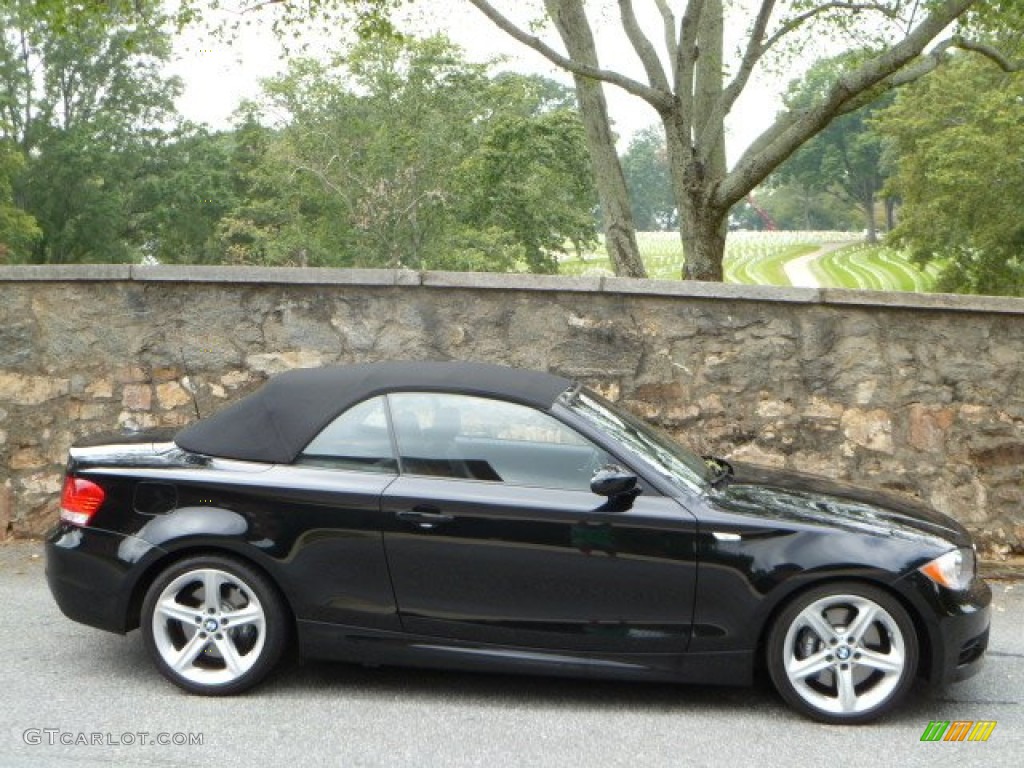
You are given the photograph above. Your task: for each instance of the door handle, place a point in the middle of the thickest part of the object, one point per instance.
(424, 516)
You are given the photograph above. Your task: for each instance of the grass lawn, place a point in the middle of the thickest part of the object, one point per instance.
(758, 258)
(870, 267)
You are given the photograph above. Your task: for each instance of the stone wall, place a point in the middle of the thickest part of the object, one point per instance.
(919, 394)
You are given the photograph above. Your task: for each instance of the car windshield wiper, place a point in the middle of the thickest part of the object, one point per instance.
(721, 470)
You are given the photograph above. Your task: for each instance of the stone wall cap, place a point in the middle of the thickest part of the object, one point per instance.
(265, 275)
(510, 282)
(704, 290)
(948, 302)
(61, 272)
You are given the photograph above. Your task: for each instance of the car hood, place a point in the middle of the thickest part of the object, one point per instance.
(815, 500)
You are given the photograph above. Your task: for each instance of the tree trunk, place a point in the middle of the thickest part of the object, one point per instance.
(703, 232)
(702, 226)
(868, 205)
(619, 230)
(890, 213)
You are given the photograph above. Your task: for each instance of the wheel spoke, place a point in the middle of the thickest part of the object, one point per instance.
(211, 589)
(189, 652)
(250, 614)
(820, 625)
(232, 660)
(847, 694)
(800, 669)
(172, 609)
(890, 664)
(866, 615)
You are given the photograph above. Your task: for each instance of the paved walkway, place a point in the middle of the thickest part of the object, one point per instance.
(799, 269)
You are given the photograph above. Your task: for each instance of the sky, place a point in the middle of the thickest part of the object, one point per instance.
(218, 76)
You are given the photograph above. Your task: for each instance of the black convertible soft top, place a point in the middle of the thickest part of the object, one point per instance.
(277, 421)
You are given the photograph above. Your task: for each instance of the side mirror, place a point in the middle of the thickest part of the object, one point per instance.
(613, 481)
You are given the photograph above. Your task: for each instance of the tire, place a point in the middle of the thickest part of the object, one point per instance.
(843, 653)
(219, 648)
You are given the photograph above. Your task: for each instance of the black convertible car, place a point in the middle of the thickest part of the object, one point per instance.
(480, 517)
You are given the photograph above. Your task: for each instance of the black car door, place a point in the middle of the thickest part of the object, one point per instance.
(492, 535)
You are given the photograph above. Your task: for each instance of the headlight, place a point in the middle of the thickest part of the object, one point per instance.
(953, 570)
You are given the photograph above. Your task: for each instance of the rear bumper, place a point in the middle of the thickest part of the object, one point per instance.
(957, 626)
(91, 574)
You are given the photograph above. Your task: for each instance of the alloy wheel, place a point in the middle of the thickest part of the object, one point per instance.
(844, 656)
(213, 625)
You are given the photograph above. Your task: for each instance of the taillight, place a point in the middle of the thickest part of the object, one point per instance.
(79, 500)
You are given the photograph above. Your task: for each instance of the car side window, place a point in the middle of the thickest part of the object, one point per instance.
(474, 438)
(357, 439)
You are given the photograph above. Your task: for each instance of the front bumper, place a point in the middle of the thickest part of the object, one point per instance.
(92, 573)
(956, 626)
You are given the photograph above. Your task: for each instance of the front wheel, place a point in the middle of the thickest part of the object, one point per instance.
(843, 653)
(214, 625)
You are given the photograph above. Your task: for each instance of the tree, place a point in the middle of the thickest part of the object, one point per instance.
(845, 158)
(18, 230)
(645, 165)
(529, 178)
(267, 224)
(957, 138)
(80, 97)
(402, 154)
(182, 187)
(570, 20)
(793, 206)
(693, 94)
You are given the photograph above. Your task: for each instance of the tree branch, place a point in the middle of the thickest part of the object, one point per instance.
(658, 99)
(1002, 61)
(755, 50)
(889, 69)
(686, 64)
(643, 47)
(801, 19)
(669, 21)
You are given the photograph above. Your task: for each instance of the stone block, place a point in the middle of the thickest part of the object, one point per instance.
(172, 395)
(928, 427)
(137, 397)
(869, 429)
(277, 362)
(100, 389)
(27, 458)
(21, 389)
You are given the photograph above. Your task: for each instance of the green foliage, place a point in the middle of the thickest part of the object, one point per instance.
(265, 223)
(78, 98)
(645, 165)
(844, 160)
(182, 188)
(402, 154)
(368, 18)
(530, 178)
(795, 207)
(397, 153)
(18, 230)
(958, 135)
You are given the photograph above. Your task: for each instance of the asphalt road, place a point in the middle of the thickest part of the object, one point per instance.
(62, 682)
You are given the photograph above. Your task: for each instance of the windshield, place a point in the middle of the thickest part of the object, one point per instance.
(677, 464)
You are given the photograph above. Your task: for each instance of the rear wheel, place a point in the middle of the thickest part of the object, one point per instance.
(843, 653)
(214, 625)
